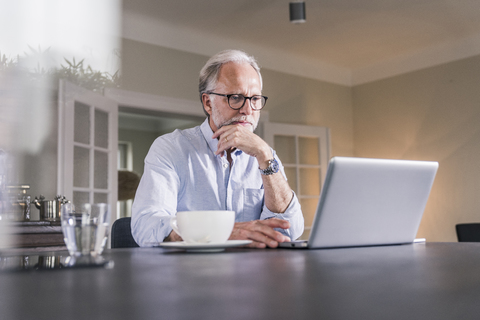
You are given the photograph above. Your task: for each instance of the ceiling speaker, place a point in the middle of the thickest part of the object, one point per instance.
(297, 12)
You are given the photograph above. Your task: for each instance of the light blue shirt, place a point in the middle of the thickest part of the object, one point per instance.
(182, 173)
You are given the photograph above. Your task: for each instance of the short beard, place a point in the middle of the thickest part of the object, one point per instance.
(220, 122)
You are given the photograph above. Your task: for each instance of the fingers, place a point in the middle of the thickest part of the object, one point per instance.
(227, 139)
(222, 130)
(222, 134)
(225, 143)
(234, 136)
(261, 232)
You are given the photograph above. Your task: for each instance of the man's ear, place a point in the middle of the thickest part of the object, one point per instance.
(207, 103)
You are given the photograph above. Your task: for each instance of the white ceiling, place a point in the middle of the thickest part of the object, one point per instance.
(343, 41)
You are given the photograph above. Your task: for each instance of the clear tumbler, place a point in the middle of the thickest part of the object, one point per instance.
(85, 228)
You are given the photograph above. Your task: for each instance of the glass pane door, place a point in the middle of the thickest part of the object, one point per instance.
(304, 152)
(87, 147)
(90, 157)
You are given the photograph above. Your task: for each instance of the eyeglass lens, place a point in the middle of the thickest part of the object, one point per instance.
(236, 101)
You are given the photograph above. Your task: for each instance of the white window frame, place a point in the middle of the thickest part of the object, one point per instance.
(271, 129)
(68, 95)
(129, 166)
(129, 156)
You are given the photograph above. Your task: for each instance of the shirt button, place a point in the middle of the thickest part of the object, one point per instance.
(225, 165)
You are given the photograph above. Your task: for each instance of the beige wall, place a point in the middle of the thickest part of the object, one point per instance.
(297, 100)
(166, 72)
(431, 114)
(161, 71)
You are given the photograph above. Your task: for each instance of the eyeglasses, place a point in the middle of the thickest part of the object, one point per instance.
(237, 101)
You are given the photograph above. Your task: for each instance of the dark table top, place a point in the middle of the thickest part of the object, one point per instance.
(417, 281)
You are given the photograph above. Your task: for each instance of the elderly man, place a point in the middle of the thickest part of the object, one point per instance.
(219, 165)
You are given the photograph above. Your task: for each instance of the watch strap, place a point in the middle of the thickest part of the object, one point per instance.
(271, 169)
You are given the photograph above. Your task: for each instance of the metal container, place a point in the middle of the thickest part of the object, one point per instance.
(50, 210)
(18, 203)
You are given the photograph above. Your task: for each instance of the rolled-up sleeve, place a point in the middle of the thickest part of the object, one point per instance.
(293, 214)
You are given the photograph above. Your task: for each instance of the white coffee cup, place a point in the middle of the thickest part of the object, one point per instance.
(210, 226)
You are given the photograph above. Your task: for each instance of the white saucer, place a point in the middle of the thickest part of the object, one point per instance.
(205, 247)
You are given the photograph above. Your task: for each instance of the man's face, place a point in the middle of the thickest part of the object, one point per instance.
(234, 78)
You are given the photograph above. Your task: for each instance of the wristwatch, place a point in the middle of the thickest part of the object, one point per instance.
(271, 169)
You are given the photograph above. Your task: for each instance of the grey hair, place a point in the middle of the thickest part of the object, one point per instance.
(209, 73)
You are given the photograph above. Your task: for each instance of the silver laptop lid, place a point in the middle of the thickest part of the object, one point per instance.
(371, 202)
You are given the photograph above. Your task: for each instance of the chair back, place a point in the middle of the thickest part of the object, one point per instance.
(468, 232)
(122, 234)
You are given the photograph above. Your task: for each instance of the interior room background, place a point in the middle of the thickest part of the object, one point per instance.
(428, 114)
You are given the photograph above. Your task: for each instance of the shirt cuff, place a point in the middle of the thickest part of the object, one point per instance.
(293, 214)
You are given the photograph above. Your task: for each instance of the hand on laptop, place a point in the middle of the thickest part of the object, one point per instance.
(261, 232)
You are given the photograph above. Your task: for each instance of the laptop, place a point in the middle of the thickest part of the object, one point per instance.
(370, 202)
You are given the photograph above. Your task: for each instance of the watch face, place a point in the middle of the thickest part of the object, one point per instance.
(272, 167)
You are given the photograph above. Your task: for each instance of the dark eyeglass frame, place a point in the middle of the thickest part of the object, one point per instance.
(244, 100)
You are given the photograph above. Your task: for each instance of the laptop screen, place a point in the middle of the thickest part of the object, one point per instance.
(368, 202)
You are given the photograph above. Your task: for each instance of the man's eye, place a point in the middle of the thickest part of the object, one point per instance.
(236, 98)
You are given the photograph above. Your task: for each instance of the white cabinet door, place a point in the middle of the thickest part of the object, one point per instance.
(87, 155)
(304, 152)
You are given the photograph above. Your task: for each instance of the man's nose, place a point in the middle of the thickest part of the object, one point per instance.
(247, 107)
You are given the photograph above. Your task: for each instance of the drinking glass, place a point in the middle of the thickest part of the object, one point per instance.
(85, 228)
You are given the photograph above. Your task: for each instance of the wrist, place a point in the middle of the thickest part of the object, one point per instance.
(272, 168)
(173, 236)
(264, 160)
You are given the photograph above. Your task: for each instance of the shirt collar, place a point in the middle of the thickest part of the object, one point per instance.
(208, 133)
